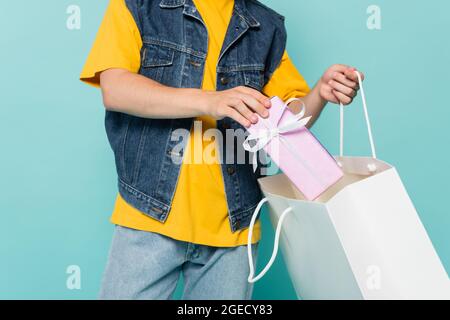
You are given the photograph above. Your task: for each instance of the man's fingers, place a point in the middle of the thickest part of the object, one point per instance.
(340, 68)
(342, 97)
(339, 77)
(351, 74)
(255, 105)
(235, 115)
(265, 101)
(244, 110)
(342, 88)
(327, 92)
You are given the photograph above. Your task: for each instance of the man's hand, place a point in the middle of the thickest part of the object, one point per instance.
(339, 84)
(241, 104)
(127, 92)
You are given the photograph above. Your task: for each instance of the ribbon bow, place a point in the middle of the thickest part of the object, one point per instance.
(264, 136)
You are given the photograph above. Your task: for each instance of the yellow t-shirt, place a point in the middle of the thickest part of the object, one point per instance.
(199, 211)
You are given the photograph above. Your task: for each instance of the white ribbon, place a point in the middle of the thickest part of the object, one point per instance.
(264, 136)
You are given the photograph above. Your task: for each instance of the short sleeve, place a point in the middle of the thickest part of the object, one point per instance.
(117, 45)
(286, 82)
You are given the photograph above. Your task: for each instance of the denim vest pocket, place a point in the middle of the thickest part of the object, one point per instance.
(250, 75)
(254, 79)
(155, 59)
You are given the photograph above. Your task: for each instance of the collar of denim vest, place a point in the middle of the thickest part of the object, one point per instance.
(239, 6)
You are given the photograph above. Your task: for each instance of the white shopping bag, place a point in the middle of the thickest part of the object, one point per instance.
(361, 239)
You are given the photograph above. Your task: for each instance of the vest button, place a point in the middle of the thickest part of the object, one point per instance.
(195, 64)
(231, 170)
(224, 80)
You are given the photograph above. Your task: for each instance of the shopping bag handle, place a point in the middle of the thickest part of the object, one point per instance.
(369, 127)
(251, 277)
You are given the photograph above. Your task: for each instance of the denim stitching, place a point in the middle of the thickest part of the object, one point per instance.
(141, 147)
(172, 45)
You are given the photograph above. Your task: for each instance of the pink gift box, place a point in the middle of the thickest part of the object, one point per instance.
(300, 156)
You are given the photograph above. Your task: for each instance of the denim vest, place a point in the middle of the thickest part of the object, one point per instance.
(175, 43)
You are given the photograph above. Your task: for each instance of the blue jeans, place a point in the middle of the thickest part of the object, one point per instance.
(146, 265)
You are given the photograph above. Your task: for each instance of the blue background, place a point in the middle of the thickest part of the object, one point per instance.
(58, 184)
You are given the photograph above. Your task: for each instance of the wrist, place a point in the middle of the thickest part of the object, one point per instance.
(318, 90)
(202, 101)
(198, 101)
